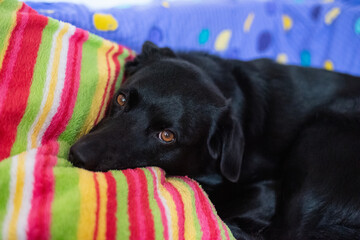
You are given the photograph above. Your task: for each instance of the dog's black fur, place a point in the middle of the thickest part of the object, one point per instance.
(276, 147)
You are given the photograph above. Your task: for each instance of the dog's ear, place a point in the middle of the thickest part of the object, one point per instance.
(226, 144)
(149, 52)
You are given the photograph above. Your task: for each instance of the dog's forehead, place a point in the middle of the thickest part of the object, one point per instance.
(168, 78)
(170, 75)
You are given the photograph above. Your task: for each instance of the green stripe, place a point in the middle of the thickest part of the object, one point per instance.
(219, 222)
(89, 78)
(194, 207)
(5, 166)
(63, 153)
(7, 10)
(230, 234)
(66, 204)
(37, 87)
(123, 225)
(154, 206)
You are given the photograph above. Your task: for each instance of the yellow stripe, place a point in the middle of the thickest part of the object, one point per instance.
(102, 79)
(86, 223)
(171, 205)
(190, 231)
(54, 79)
(112, 78)
(18, 195)
(103, 203)
(6, 42)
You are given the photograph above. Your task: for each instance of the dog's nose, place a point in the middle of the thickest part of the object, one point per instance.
(76, 158)
(84, 155)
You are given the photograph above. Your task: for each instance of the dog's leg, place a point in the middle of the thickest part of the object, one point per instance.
(247, 209)
(334, 232)
(321, 180)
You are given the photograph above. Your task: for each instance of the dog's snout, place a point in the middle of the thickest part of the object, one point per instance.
(85, 154)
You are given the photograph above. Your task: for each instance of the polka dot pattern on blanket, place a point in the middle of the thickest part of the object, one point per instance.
(308, 33)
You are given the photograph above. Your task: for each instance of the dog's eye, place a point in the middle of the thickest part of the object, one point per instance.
(167, 136)
(121, 99)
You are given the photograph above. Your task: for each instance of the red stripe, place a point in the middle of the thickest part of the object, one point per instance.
(140, 216)
(225, 230)
(147, 218)
(131, 54)
(117, 72)
(111, 207)
(69, 94)
(15, 102)
(39, 219)
(205, 205)
(12, 52)
(133, 206)
(156, 181)
(97, 206)
(107, 85)
(129, 58)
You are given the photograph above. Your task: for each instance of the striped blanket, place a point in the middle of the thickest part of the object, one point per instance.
(55, 83)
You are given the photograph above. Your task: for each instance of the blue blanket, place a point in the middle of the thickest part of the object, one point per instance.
(319, 33)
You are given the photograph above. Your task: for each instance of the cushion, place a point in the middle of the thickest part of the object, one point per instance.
(55, 83)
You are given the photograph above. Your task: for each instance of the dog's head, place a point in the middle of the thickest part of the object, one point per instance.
(167, 114)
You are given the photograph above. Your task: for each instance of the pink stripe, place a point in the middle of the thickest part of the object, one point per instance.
(39, 219)
(225, 230)
(139, 212)
(212, 231)
(111, 207)
(134, 202)
(147, 218)
(158, 200)
(18, 36)
(199, 210)
(71, 87)
(178, 203)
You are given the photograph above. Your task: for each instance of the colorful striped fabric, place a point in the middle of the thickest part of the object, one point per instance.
(55, 83)
(55, 79)
(44, 197)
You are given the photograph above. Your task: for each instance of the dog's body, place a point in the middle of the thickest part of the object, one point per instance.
(276, 147)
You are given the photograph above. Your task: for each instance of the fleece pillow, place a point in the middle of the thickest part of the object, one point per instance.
(55, 83)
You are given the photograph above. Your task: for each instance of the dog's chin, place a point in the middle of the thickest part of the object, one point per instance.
(103, 168)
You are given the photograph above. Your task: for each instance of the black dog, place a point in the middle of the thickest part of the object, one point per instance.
(276, 147)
